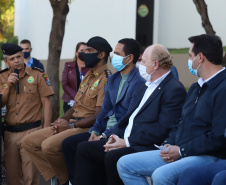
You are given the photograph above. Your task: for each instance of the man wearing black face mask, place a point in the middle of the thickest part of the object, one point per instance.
(28, 60)
(45, 146)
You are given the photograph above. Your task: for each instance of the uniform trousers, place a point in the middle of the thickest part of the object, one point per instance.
(94, 166)
(19, 166)
(45, 150)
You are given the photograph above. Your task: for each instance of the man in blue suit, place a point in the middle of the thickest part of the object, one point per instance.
(154, 112)
(120, 92)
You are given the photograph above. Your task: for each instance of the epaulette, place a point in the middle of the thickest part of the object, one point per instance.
(107, 72)
(36, 68)
(4, 70)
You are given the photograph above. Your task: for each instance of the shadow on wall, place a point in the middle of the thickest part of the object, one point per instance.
(180, 61)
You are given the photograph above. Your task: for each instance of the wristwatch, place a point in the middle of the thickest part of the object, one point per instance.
(103, 136)
(72, 125)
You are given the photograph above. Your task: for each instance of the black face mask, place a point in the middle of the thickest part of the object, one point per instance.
(90, 59)
(81, 56)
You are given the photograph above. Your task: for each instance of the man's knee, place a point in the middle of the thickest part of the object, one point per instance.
(82, 148)
(159, 177)
(48, 147)
(111, 159)
(121, 165)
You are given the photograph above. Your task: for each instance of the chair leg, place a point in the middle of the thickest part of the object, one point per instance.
(53, 181)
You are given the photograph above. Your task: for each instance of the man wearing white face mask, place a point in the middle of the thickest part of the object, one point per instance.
(199, 137)
(155, 110)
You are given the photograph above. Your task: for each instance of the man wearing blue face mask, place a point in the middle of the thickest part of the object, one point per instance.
(199, 138)
(120, 92)
(28, 60)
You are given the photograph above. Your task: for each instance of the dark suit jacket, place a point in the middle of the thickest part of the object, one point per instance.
(125, 101)
(158, 115)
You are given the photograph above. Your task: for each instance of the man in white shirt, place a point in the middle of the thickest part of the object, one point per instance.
(156, 110)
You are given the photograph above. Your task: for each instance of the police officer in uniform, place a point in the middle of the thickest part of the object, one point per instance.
(45, 146)
(24, 96)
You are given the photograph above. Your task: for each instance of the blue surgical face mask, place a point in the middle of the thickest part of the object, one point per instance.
(193, 71)
(26, 54)
(117, 62)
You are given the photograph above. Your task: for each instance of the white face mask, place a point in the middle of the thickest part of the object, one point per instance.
(138, 65)
(143, 73)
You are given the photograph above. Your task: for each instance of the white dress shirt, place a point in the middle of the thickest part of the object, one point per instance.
(151, 87)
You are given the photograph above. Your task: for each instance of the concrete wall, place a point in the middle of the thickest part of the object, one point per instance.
(176, 20)
(110, 19)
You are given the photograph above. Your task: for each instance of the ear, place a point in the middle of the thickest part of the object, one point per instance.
(101, 55)
(201, 57)
(156, 64)
(131, 57)
(31, 50)
(6, 62)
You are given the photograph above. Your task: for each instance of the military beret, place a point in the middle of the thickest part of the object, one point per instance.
(100, 44)
(10, 49)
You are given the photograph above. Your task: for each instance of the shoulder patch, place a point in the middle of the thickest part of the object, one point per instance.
(46, 79)
(36, 68)
(107, 72)
(4, 70)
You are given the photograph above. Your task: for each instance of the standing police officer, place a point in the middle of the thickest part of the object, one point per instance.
(24, 96)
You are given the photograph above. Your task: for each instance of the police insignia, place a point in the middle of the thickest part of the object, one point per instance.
(96, 83)
(92, 88)
(30, 79)
(4, 85)
(105, 83)
(83, 85)
(46, 79)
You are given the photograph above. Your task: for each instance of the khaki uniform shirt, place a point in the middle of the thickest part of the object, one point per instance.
(25, 107)
(91, 93)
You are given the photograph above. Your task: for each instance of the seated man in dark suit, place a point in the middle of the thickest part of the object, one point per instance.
(120, 92)
(155, 111)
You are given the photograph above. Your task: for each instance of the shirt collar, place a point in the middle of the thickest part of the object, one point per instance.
(157, 81)
(30, 62)
(98, 71)
(201, 81)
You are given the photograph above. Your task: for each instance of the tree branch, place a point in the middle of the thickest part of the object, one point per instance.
(202, 10)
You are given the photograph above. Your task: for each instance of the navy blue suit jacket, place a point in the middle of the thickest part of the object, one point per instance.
(157, 116)
(126, 99)
(203, 120)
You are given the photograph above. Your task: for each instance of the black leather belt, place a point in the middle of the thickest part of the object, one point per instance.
(77, 119)
(21, 128)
